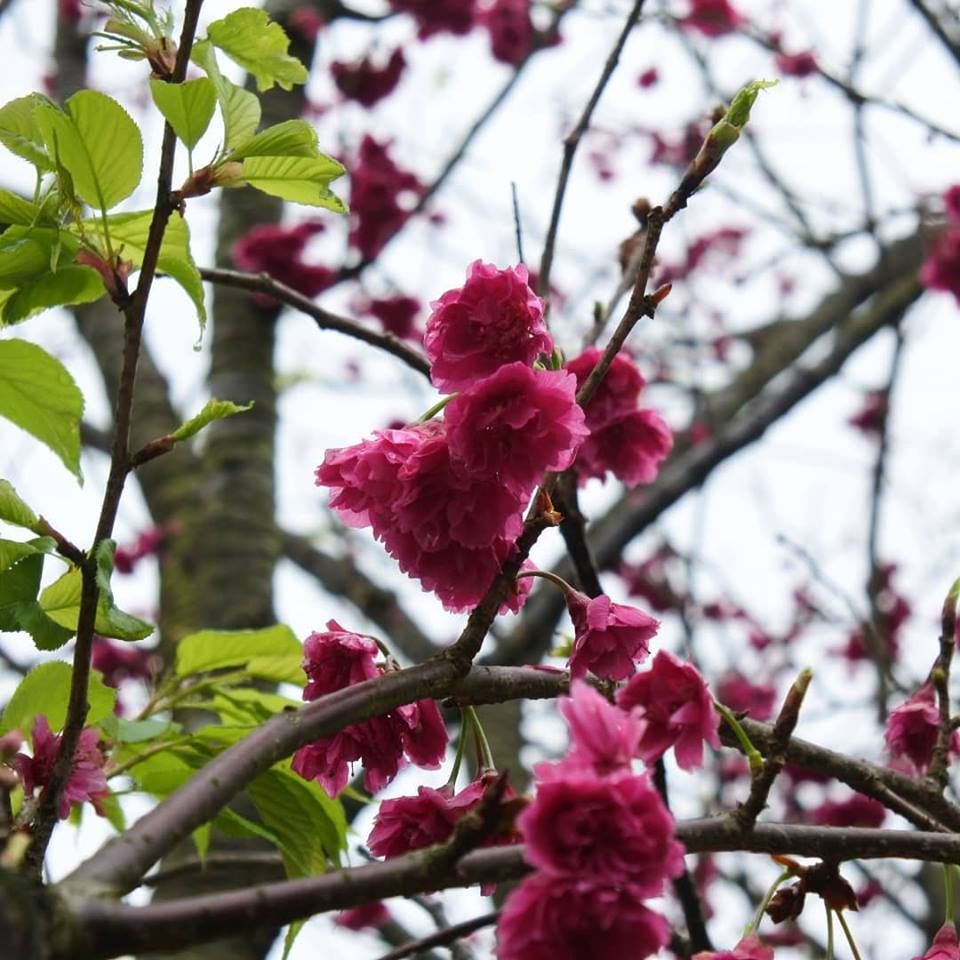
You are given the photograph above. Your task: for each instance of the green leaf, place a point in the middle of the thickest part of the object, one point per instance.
(19, 585)
(14, 209)
(260, 46)
(130, 230)
(246, 706)
(20, 133)
(137, 731)
(239, 108)
(46, 690)
(188, 107)
(273, 653)
(97, 143)
(61, 602)
(13, 551)
(292, 138)
(39, 396)
(67, 287)
(46, 633)
(213, 410)
(29, 253)
(299, 179)
(311, 827)
(112, 811)
(15, 511)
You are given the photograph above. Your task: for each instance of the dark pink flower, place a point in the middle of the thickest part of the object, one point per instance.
(611, 830)
(122, 661)
(148, 543)
(941, 269)
(679, 150)
(365, 83)
(438, 16)
(367, 916)
(603, 737)
(307, 22)
(411, 823)
(278, 251)
(87, 780)
(856, 811)
(912, 728)
(650, 77)
(10, 743)
(749, 948)
(611, 638)
(631, 447)
(423, 732)
(397, 315)
(623, 440)
(516, 424)
(336, 659)
(71, 10)
(802, 64)
(568, 918)
(712, 18)
(872, 416)
(944, 946)
(951, 203)
(381, 194)
(493, 319)
(675, 708)
(740, 694)
(511, 29)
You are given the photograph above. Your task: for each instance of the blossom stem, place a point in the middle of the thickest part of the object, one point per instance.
(435, 409)
(484, 753)
(754, 924)
(829, 930)
(547, 575)
(750, 751)
(948, 893)
(848, 933)
(461, 750)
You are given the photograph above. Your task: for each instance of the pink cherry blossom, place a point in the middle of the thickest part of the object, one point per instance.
(749, 948)
(365, 83)
(86, 781)
(279, 251)
(801, 64)
(603, 737)
(511, 29)
(912, 729)
(712, 18)
(366, 916)
(569, 918)
(336, 659)
(675, 708)
(619, 390)
(516, 424)
(439, 16)
(610, 637)
(941, 269)
(856, 811)
(613, 829)
(944, 946)
(493, 319)
(951, 203)
(423, 732)
(738, 693)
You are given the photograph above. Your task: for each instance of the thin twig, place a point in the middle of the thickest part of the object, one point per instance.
(572, 141)
(443, 938)
(264, 283)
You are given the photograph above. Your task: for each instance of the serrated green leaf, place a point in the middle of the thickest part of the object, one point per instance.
(292, 138)
(19, 585)
(14, 209)
(20, 133)
(249, 38)
(273, 653)
(39, 396)
(46, 633)
(30, 252)
(61, 602)
(213, 410)
(298, 179)
(188, 107)
(97, 143)
(46, 689)
(130, 231)
(15, 511)
(13, 551)
(69, 286)
(239, 108)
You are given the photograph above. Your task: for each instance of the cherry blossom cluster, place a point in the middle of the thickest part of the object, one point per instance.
(337, 658)
(602, 842)
(941, 270)
(912, 731)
